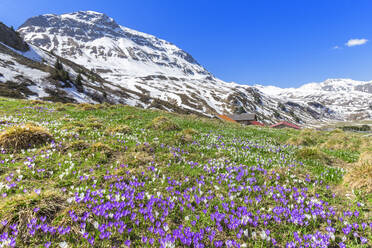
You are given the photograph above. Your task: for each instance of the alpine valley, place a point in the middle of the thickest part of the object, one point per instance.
(87, 57)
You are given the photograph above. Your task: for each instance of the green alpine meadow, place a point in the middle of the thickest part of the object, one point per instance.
(110, 175)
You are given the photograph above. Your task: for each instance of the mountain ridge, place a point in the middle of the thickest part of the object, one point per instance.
(142, 70)
(351, 98)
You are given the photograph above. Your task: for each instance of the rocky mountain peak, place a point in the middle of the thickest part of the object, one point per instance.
(83, 25)
(98, 42)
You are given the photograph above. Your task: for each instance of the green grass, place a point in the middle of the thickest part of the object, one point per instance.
(345, 155)
(96, 147)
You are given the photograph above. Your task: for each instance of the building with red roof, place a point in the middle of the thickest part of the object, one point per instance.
(285, 124)
(225, 118)
(244, 119)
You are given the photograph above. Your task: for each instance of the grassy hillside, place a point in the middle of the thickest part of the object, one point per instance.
(119, 176)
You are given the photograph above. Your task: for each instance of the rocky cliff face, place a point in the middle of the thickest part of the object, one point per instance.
(11, 38)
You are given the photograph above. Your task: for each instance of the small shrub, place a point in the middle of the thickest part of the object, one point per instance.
(80, 129)
(282, 107)
(94, 119)
(69, 104)
(129, 117)
(297, 119)
(60, 74)
(186, 136)
(66, 119)
(35, 102)
(145, 148)
(68, 127)
(87, 106)
(276, 115)
(78, 124)
(190, 131)
(312, 153)
(124, 129)
(79, 83)
(163, 123)
(100, 147)
(106, 105)
(60, 109)
(362, 128)
(79, 145)
(24, 137)
(95, 125)
(337, 130)
(136, 159)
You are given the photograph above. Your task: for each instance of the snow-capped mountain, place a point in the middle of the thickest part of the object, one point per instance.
(97, 41)
(144, 64)
(349, 99)
(106, 62)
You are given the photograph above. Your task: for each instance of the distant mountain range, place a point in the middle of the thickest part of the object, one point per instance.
(87, 57)
(348, 99)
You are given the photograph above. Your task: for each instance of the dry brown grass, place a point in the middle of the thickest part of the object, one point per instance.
(307, 137)
(78, 124)
(35, 102)
(87, 106)
(23, 137)
(78, 145)
(92, 118)
(365, 158)
(100, 147)
(145, 148)
(163, 123)
(186, 136)
(190, 131)
(60, 109)
(360, 175)
(342, 140)
(335, 140)
(80, 129)
(135, 159)
(366, 144)
(19, 208)
(75, 125)
(69, 104)
(124, 129)
(95, 125)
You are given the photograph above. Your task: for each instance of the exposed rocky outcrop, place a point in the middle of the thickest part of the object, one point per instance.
(11, 38)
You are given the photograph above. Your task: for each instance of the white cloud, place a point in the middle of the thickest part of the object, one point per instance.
(356, 42)
(336, 47)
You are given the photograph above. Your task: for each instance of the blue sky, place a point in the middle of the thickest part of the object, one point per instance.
(284, 43)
